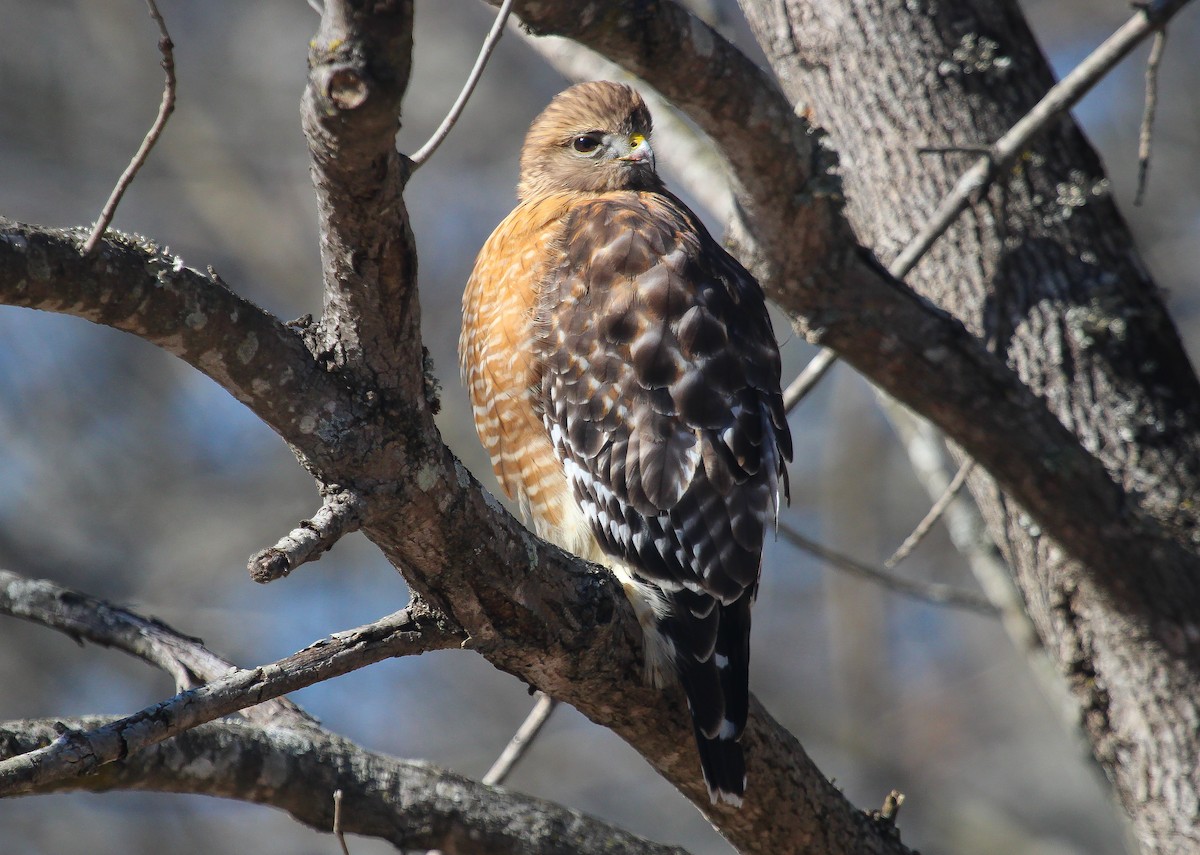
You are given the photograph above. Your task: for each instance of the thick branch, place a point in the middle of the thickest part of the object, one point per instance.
(137, 287)
(359, 62)
(412, 630)
(411, 804)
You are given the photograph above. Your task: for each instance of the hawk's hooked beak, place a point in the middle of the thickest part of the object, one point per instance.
(638, 151)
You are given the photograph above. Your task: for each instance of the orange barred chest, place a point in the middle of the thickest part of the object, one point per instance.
(496, 356)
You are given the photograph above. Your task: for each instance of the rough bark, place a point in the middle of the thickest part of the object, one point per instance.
(411, 804)
(1043, 268)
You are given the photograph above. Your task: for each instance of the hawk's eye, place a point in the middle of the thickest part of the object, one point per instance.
(585, 144)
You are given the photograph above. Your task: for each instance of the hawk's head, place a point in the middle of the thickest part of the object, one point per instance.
(592, 137)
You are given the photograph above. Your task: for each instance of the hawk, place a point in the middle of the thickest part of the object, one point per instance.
(624, 379)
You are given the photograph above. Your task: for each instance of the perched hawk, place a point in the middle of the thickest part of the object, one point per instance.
(624, 378)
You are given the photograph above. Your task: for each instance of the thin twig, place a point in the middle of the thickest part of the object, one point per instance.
(1145, 135)
(412, 630)
(1061, 98)
(489, 44)
(521, 740)
(167, 48)
(935, 513)
(808, 379)
(337, 822)
(930, 592)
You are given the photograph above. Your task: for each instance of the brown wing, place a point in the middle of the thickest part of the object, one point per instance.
(660, 391)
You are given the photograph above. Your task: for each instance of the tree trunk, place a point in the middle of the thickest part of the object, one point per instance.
(1044, 271)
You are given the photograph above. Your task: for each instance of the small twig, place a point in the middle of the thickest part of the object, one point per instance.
(521, 740)
(891, 807)
(83, 617)
(930, 592)
(934, 514)
(167, 48)
(412, 630)
(953, 149)
(1145, 135)
(489, 44)
(808, 379)
(337, 822)
(339, 515)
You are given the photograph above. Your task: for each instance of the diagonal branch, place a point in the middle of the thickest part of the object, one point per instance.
(84, 617)
(485, 52)
(135, 286)
(413, 805)
(412, 630)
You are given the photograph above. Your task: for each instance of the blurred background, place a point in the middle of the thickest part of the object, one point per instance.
(130, 476)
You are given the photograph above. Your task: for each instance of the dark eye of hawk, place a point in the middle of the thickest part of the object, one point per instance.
(585, 143)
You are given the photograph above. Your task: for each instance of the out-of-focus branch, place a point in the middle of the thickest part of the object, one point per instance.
(931, 517)
(413, 805)
(521, 740)
(165, 109)
(930, 592)
(1146, 133)
(485, 52)
(87, 618)
(339, 515)
(412, 630)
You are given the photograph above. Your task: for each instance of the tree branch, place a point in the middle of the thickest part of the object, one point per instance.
(339, 515)
(84, 617)
(411, 804)
(137, 287)
(930, 592)
(521, 740)
(1148, 19)
(359, 63)
(413, 630)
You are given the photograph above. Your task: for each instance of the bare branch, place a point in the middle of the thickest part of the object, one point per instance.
(143, 289)
(522, 739)
(84, 617)
(808, 379)
(930, 592)
(410, 631)
(340, 514)
(165, 109)
(337, 822)
(485, 52)
(1145, 135)
(410, 804)
(931, 517)
(1149, 19)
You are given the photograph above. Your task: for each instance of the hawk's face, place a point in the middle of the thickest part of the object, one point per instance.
(592, 138)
